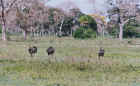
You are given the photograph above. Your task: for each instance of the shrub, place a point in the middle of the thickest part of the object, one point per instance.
(89, 33)
(83, 33)
(114, 31)
(79, 33)
(131, 31)
(88, 19)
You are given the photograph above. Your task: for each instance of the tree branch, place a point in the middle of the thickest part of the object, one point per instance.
(2, 13)
(10, 6)
(127, 20)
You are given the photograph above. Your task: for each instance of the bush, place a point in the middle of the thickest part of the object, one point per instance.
(83, 33)
(114, 31)
(91, 22)
(131, 31)
(89, 33)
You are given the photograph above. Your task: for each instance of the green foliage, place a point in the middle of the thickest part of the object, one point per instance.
(83, 33)
(91, 23)
(88, 28)
(0, 29)
(67, 25)
(131, 31)
(113, 31)
(89, 33)
(51, 19)
(79, 33)
(26, 10)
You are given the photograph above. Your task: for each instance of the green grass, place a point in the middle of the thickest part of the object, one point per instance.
(119, 67)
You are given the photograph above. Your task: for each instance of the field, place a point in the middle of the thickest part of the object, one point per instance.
(76, 63)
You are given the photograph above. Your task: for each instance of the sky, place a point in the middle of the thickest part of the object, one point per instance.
(84, 5)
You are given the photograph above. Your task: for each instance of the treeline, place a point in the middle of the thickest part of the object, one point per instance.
(35, 18)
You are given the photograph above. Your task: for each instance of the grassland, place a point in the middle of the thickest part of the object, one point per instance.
(76, 64)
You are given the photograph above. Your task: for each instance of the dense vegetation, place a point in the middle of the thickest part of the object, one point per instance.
(84, 33)
(35, 18)
(87, 29)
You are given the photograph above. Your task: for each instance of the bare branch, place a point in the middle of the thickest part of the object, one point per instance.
(2, 13)
(10, 6)
(128, 20)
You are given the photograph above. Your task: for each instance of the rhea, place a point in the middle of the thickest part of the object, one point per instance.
(32, 50)
(101, 53)
(50, 51)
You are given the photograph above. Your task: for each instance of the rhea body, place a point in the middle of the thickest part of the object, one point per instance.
(50, 50)
(32, 50)
(101, 53)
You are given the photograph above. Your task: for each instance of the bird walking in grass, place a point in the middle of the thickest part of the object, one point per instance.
(32, 50)
(101, 53)
(50, 51)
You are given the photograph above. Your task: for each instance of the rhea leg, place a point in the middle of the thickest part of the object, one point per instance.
(49, 59)
(54, 57)
(31, 55)
(99, 57)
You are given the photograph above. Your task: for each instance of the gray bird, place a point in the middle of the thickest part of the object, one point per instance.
(32, 50)
(50, 50)
(101, 53)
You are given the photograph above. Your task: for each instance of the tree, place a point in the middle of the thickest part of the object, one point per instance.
(67, 26)
(56, 20)
(88, 22)
(101, 23)
(88, 28)
(82, 33)
(125, 11)
(6, 6)
(99, 13)
(31, 16)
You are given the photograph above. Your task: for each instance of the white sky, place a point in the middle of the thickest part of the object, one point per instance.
(84, 5)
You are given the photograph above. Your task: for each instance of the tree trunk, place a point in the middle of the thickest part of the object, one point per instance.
(71, 32)
(60, 29)
(4, 32)
(121, 31)
(3, 21)
(103, 32)
(25, 34)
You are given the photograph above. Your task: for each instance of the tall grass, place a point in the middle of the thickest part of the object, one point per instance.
(76, 64)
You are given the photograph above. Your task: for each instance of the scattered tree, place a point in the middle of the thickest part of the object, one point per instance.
(122, 11)
(6, 6)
